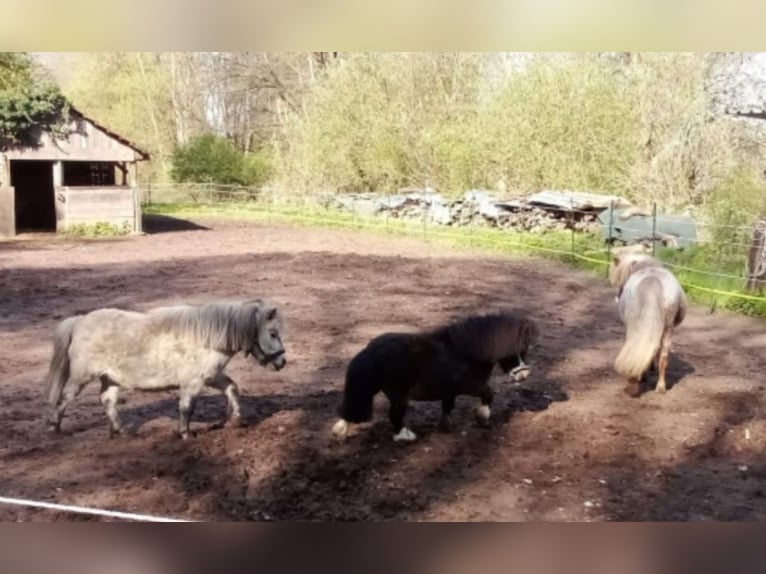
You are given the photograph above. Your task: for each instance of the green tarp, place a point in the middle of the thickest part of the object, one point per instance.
(672, 230)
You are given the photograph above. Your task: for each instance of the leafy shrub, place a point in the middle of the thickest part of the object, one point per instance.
(733, 204)
(213, 159)
(380, 122)
(564, 125)
(257, 167)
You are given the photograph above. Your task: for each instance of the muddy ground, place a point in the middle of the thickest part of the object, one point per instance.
(567, 444)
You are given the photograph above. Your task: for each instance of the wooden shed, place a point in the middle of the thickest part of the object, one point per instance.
(87, 178)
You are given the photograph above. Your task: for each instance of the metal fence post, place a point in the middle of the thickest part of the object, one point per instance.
(388, 211)
(610, 239)
(654, 229)
(572, 226)
(718, 279)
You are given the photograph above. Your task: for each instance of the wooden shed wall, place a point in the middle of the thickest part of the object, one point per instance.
(7, 212)
(90, 205)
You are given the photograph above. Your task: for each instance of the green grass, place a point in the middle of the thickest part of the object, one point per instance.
(698, 268)
(97, 230)
(711, 267)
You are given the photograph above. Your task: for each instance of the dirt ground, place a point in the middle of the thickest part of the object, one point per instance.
(567, 444)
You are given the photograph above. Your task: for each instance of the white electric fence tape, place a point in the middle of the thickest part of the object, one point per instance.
(90, 511)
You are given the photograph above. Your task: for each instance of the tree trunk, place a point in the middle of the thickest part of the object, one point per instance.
(152, 114)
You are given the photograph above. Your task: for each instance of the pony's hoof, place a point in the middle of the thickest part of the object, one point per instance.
(54, 428)
(661, 389)
(405, 435)
(235, 422)
(340, 428)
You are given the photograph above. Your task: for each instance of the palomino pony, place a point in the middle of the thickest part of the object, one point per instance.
(183, 347)
(452, 360)
(651, 304)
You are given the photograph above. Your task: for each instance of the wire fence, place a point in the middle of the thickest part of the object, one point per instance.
(711, 262)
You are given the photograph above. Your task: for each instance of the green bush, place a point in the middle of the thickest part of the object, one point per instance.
(380, 122)
(214, 159)
(563, 126)
(384, 121)
(731, 207)
(257, 167)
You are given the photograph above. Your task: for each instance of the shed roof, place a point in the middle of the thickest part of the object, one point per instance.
(124, 141)
(87, 141)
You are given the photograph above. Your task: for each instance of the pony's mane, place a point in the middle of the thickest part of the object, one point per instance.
(227, 326)
(489, 337)
(625, 265)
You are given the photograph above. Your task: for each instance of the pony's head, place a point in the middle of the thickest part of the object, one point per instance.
(267, 345)
(624, 265)
(516, 365)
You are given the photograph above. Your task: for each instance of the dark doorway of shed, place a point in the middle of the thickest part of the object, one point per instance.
(35, 200)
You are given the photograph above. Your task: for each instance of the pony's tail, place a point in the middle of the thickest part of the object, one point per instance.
(58, 373)
(645, 322)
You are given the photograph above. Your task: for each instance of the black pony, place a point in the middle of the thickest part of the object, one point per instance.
(455, 359)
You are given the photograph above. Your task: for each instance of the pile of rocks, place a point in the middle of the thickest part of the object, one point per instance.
(480, 208)
(476, 207)
(412, 205)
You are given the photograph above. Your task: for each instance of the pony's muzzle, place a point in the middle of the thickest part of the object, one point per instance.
(340, 428)
(519, 373)
(279, 363)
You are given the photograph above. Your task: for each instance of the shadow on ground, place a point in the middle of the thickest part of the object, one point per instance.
(167, 224)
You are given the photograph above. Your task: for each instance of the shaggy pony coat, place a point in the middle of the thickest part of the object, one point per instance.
(440, 364)
(185, 347)
(651, 304)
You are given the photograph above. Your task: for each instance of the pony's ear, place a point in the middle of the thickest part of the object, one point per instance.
(271, 314)
(616, 260)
